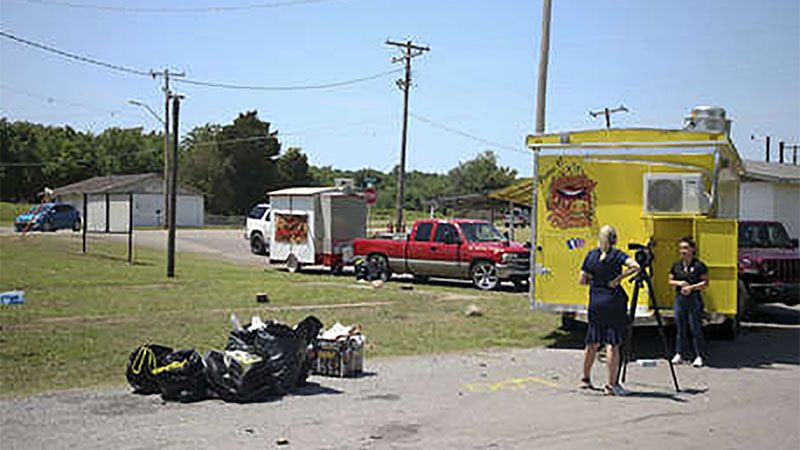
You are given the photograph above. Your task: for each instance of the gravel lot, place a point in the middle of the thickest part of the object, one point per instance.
(749, 397)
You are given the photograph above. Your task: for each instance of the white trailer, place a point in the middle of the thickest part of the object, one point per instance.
(315, 226)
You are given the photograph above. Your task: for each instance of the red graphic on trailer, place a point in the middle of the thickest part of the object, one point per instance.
(571, 198)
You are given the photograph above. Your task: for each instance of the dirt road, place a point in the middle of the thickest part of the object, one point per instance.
(749, 397)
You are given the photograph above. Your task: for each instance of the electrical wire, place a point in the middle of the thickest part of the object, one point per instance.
(212, 84)
(288, 88)
(202, 9)
(54, 100)
(75, 57)
(461, 133)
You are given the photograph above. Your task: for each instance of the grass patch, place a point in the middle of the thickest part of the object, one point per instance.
(9, 211)
(85, 313)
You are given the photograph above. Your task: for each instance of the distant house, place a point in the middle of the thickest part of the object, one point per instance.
(107, 201)
(771, 191)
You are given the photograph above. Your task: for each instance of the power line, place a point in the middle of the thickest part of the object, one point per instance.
(54, 100)
(289, 88)
(154, 74)
(202, 9)
(461, 133)
(73, 56)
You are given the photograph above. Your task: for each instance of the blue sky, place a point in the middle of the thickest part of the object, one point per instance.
(657, 58)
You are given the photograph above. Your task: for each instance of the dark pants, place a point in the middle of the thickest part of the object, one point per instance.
(689, 312)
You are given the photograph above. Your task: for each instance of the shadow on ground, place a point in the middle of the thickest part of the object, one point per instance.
(771, 336)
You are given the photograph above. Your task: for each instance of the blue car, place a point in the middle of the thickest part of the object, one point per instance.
(49, 217)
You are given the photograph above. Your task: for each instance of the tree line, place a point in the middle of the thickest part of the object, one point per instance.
(233, 164)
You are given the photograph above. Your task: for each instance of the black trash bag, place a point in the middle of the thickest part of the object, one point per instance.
(236, 376)
(361, 269)
(307, 331)
(182, 377)
(283, 352)
(141, 364)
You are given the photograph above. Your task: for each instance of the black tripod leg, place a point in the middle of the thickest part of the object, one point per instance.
(627, 345)
(661, 332)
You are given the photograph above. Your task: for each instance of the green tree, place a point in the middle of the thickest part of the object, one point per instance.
(292, 168)
(479, 175)
(203, 167)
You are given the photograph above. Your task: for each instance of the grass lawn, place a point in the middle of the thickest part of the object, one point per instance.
(85, 313)
(9, 211)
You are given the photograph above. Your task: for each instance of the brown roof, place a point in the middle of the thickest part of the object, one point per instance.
(113, 184)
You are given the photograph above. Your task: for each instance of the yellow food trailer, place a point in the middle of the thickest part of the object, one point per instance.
(652, 185)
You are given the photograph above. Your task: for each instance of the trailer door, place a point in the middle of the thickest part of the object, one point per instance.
(561, 259)
(717, 241)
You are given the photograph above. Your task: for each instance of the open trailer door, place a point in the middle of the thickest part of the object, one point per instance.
(717, 241)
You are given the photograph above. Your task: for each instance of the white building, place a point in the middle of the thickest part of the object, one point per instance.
(771, 191)
(108, 202)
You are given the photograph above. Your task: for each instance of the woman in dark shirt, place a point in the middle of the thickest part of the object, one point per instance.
(689, 276)
(602, 271)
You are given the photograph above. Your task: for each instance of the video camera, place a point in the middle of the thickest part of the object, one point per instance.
(644, 253)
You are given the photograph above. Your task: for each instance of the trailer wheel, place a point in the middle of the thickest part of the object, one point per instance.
(292, 264)
(257, 245)
(745, 303)
(729, 329)
(378, 267)
(484, 276)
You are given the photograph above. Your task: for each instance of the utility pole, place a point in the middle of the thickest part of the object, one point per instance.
(173, 187)
(541, 91)
(607, 112)
(166, 74)
(780, 152)
(411, 51)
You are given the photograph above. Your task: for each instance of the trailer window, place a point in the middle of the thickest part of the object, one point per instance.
(423, 233)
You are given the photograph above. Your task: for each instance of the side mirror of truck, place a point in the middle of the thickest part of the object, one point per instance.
(794, 243)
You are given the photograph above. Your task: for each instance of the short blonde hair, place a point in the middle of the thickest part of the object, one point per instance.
(607, 237)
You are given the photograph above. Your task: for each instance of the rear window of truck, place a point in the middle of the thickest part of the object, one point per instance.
(423, 233)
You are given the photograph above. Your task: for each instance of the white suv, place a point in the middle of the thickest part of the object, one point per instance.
(258, 228)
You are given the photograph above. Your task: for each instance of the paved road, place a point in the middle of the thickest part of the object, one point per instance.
(748, 398)
(227, 244)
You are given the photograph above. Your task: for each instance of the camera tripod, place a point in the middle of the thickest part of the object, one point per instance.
(644, 257)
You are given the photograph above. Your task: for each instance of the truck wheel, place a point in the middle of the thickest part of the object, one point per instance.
(378, 268)
(257, 245)
(729, 329)
(292, 264)
(484, 276)
(745, 303)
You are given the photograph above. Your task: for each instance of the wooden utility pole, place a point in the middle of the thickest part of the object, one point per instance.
(173, 187)
(411, 51)
(541, 91)
(166, 74)
(607, 113)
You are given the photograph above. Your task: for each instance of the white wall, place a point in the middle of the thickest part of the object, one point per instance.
(787, 207)
(148, 210)
(761, 200)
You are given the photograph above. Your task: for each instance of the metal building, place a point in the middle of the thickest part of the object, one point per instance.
(107, 202)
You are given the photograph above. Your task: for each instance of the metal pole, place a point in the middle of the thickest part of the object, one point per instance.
(108, 214)
(541, 91)
(173, 188)
(780, 151)
(767, 148)
(85, 218)
(130, 228)
(608, 117)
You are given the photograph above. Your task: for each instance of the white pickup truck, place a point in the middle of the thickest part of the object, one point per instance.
(258, 228)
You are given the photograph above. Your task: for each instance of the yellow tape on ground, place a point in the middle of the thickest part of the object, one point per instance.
(509, 384)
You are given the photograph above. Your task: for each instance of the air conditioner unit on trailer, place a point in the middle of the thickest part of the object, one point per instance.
(675, 193)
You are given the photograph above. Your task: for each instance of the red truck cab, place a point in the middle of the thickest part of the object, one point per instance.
(769, 264)
(455, 248)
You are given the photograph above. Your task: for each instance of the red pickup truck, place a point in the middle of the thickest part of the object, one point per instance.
(458, 248)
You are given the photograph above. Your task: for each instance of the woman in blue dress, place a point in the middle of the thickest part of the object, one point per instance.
(603, 271)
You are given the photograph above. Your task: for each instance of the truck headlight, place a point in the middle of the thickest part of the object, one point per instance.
(506, 257)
